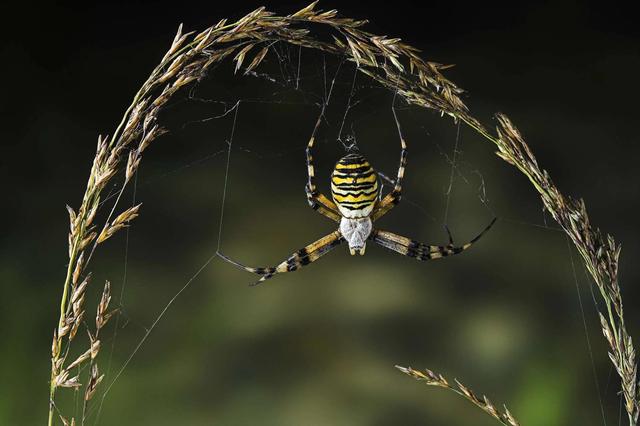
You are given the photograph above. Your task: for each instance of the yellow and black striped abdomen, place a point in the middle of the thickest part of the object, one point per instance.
(354, 186)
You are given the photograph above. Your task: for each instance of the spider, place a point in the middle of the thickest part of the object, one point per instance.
(357, 203)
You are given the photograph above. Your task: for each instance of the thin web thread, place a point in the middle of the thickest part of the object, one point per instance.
(298, 73)
(588, 279)
(226, 176)
(120, 298)
(189, 281)
(457, 173)
(156, 321)
(452, 175)
(346, 112)
(586, 333)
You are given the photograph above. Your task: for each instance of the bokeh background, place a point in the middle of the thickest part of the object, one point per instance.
(317, 347)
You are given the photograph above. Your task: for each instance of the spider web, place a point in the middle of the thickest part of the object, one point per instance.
(298, 82)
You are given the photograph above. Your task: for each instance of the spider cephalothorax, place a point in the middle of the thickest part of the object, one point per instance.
(356, 205)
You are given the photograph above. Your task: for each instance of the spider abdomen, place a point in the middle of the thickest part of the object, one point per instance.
(354, 186)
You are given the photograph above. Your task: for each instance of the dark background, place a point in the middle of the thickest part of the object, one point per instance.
(318, 347)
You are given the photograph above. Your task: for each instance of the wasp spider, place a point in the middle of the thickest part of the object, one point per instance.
(357, 203)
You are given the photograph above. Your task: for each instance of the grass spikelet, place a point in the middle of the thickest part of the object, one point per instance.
(432, 379)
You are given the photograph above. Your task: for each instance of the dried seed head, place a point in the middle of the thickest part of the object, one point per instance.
(79, 360)
(102, 314)
(128, 215)
(119, 222)
(66, 422)
(55, 345)
(104, 176)
(305, 12)
(204, 40)
(257, 59)
(92, 213)
(509, 417)
(94, 381)
(72, 218)
(150, 136)
(76, 325)
(432, 379)
(87, 240)
(77, 295)
(95, 349)
(64, 328)
(132, 164)
(78, 269)
(63, 380)
(606, 330)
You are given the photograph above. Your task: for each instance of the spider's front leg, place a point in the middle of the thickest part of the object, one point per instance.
(322, 204)
(393, 198)
(420, 251)
(300, 258)
(316, 200)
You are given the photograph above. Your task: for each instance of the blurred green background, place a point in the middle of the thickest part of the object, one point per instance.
(317, 347)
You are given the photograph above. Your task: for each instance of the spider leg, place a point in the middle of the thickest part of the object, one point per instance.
(322, 204)
(300, 258)
(316, 200)
(393, 198)
(420, 251)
